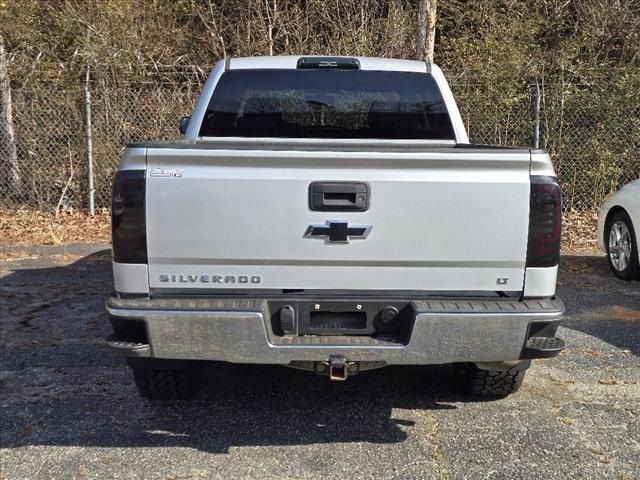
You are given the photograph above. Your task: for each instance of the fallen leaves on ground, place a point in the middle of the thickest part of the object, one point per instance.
(579, 232)
(21, 227)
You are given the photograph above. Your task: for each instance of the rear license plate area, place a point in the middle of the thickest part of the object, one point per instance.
(335, 317)
(321, 317)
(337, 321)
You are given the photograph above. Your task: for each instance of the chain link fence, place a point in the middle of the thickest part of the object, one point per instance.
(592, 134)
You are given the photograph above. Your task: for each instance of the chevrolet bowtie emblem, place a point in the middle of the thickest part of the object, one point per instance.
(337, 231)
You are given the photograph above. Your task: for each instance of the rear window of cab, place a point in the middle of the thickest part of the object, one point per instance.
(327, 104)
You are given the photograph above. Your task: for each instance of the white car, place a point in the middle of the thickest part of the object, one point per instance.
(618, 229)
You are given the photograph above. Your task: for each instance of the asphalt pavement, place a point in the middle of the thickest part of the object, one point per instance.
(69, 407)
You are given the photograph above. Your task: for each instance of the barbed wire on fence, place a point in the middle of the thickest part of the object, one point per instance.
(593, 136)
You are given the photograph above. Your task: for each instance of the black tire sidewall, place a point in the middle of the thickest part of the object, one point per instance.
(493, 383)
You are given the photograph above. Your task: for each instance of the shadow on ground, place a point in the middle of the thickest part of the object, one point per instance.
(598, 303)
(60, 385)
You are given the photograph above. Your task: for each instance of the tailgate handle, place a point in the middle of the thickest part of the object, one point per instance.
(339, 196)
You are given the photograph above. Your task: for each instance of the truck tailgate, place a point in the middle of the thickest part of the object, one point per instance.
(440, 219)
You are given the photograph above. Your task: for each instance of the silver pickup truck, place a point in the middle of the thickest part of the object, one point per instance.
(329, 214)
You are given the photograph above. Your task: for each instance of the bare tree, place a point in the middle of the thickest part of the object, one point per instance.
(7, 121)
(426, 35)
(272, 12)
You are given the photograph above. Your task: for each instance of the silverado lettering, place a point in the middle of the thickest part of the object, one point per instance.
(174, 278)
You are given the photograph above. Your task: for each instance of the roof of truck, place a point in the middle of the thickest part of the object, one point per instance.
(290, 62)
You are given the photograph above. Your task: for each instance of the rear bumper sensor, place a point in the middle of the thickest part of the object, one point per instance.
(422, 332)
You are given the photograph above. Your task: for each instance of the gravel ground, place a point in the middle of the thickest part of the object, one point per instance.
(70, 408)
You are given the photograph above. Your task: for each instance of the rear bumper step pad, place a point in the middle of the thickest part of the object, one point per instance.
(128, 347)
(239, 331)
(543, 347)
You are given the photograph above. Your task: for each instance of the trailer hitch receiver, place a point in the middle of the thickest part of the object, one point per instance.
(337, 368)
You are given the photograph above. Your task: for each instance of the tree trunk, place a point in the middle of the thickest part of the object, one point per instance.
(271, 17)
(6, 121)
(426, 33)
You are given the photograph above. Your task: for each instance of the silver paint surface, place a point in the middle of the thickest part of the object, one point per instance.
(445, 218)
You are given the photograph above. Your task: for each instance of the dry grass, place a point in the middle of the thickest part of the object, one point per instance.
(21, 227)
(580, 232)
(32, 227)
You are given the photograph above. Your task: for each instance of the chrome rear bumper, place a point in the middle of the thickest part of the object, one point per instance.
(239, 331)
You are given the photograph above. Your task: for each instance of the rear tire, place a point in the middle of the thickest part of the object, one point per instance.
(156, 381)
(494, 383)
(632, 269)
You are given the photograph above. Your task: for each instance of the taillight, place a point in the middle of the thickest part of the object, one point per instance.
(128, 225)
(545, 222)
